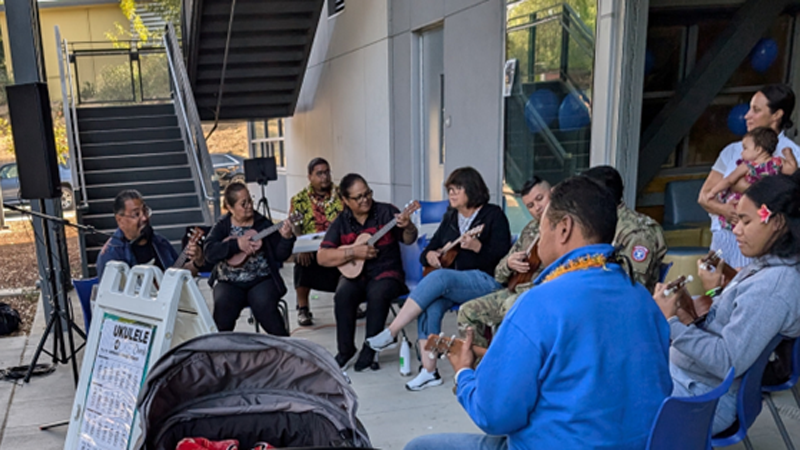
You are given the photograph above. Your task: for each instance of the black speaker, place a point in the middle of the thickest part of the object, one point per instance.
(260, 170)
(34, 141)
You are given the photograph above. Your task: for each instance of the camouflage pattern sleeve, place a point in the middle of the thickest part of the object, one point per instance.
(501, 272)
(643, 244)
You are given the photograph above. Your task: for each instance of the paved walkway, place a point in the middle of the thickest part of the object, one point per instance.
(391, 415)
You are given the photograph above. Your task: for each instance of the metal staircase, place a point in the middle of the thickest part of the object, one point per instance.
(246, 59)
(153, 146)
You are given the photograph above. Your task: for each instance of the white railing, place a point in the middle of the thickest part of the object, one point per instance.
(71, 120)
(189, 121)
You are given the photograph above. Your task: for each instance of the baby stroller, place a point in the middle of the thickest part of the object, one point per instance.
(287, 392)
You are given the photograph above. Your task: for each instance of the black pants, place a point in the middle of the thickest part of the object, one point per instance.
(314, 276)
(260, 295)
(349, 294)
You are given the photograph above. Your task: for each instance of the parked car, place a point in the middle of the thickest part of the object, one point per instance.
(9, 180)
(229, 168)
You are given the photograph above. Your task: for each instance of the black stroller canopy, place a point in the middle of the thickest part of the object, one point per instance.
(288, 392)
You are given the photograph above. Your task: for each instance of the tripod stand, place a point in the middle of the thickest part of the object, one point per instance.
(60, 310)
(263, 203)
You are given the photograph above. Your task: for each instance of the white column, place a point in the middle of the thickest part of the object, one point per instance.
(618, 83)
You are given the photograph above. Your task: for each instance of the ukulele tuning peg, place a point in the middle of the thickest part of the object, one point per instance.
(431, 355)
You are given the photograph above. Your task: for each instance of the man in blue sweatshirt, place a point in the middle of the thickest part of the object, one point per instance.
(582, 361)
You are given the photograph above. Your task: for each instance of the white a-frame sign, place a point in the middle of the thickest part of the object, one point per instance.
(139, 315)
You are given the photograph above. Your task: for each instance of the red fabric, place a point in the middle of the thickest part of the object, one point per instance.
(205, 444)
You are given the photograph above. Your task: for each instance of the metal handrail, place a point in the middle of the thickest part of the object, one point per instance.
(551, 140)
(187, 109)
(71, 120)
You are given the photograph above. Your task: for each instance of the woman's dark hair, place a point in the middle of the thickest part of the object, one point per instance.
(591, 206)
(780, 96)
(231, 191)
(472, 182)
(608, 177)
(529, 185)
(347, 182)
(781, 194)
(123, 197)
(764, 138)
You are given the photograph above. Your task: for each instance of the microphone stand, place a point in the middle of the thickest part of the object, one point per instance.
(61, 220)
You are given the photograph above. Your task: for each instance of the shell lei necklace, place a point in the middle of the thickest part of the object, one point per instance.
(573, 265)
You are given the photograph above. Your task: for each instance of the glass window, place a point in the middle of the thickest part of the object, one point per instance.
(267, 140)
(547, 92)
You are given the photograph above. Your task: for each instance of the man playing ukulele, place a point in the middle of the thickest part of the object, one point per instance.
(581, 361)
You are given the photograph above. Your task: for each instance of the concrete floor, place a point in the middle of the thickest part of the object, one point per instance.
(391, 415)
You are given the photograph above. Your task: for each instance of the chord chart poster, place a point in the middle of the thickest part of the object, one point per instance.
(117, 376)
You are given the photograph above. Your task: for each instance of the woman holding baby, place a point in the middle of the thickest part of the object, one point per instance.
(770, 107)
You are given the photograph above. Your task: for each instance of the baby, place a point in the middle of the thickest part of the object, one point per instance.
(757, 162)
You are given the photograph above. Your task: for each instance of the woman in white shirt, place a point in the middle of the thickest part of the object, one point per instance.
(770, 107)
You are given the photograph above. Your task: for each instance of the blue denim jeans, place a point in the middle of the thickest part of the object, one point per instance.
(442, 289)
(684, 386)
(458, 441)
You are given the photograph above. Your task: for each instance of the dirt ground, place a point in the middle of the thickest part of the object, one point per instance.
(18, 268)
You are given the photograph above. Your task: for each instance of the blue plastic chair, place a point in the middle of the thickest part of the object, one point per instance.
(432, 212)
(790, 385)
(685, 422)
(663, 271)
(84, 290)
(748, 401)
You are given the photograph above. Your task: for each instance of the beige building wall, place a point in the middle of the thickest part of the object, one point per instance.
(77, 24)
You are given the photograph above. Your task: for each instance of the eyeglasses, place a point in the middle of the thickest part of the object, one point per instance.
(137, 214)
(321, 173)
(454, 190)
(363, 197)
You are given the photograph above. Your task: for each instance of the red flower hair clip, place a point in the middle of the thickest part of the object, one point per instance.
(764, 213)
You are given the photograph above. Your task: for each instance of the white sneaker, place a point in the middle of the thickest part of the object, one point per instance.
(382, 341)
(424, 380)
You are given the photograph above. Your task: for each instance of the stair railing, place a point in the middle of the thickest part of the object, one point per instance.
(189, 121)
(68, 100)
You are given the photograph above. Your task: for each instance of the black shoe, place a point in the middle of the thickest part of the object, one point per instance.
(361, 313)
(304, 317)
(344, 360)
(366, 360)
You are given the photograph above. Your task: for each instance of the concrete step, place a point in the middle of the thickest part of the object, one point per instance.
(156, 202)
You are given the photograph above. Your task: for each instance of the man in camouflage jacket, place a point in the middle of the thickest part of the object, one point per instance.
(488, 311)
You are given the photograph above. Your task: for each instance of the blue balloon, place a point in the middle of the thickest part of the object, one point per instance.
(736, 122)
(543, 102)
(764, 55)
(573, 114)
(649, 61)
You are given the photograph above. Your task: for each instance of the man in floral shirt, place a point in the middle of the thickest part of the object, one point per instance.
(319, 204)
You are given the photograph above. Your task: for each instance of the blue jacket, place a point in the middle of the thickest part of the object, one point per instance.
(580, 362)
(117, 248)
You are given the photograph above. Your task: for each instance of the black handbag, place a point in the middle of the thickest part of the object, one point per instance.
(9, 319)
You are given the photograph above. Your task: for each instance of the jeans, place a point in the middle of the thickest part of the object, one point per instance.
(458, 441)
(349, 294)
(442, 289)
(260, 295)
(684, 386)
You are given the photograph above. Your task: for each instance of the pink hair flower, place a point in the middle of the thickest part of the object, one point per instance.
(764, 213)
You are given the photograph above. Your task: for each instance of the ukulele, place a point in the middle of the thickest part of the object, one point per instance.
(352, 269)
(438, 346)
(689, 310)
(712, 259)
(448, 253)
(195, 236)
(240, 258)
(532, 258)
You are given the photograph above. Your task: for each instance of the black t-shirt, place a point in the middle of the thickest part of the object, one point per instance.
(345, 229)
(146, 254)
